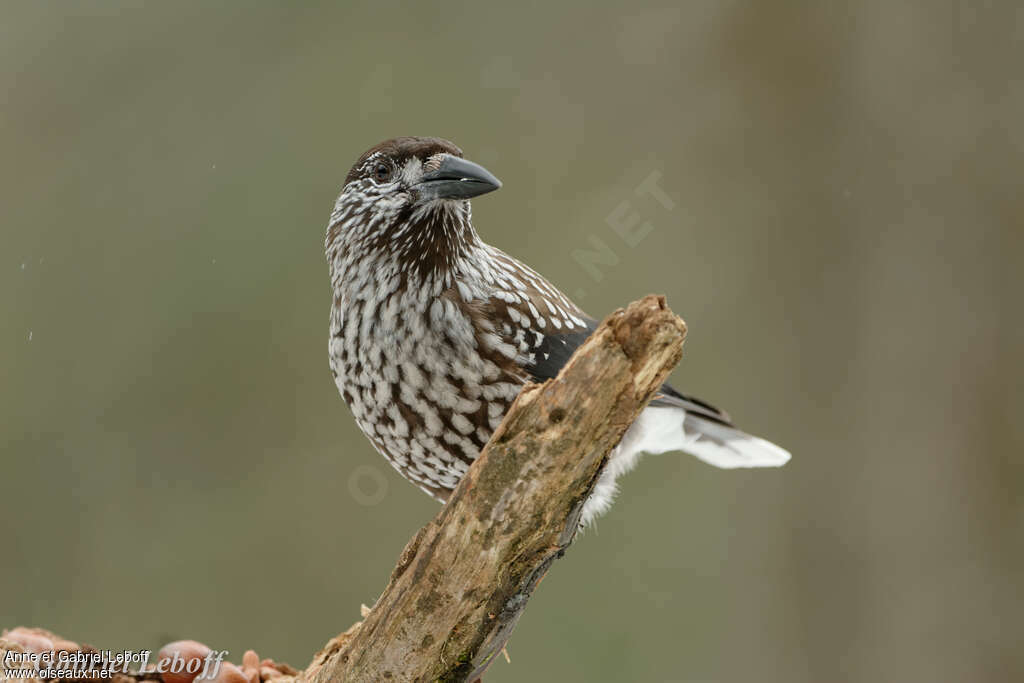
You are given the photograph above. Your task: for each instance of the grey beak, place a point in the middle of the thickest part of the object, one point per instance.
(457, 178)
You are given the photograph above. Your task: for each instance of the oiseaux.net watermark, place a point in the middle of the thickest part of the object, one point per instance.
(104, 664)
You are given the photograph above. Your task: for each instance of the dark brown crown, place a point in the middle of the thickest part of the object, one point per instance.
(403, 148)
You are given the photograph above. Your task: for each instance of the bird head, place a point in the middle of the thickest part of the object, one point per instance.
(409, 196)
(418, 170)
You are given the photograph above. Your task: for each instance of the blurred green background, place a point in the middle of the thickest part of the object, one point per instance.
(845, 244)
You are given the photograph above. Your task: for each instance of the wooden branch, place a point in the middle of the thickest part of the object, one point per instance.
(463, 581)
(465, 578)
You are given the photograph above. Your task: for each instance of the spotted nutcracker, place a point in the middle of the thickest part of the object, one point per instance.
(433, 332)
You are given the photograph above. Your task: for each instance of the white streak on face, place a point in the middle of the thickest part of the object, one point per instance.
(411, 172)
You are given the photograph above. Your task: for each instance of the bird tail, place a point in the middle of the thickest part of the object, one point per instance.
(668, 426)
(663, 428)
(728, 447)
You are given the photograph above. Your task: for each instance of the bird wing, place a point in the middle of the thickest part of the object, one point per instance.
(547, 328)
(555, 350)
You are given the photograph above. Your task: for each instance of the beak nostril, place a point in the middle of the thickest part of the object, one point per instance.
(433, 163)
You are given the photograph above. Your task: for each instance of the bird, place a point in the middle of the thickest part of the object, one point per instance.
(433, 332)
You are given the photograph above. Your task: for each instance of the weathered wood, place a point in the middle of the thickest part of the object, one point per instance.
(462, 582)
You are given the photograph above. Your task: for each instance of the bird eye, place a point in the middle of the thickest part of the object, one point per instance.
(382, 172)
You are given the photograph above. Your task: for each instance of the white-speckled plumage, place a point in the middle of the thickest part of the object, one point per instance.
(433, 332)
